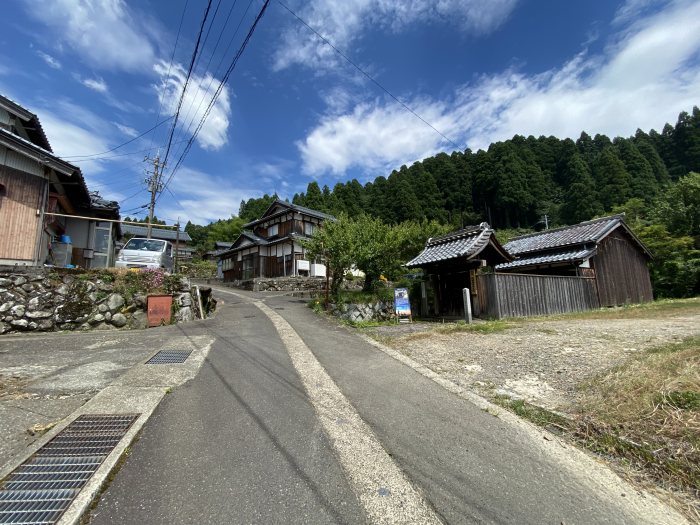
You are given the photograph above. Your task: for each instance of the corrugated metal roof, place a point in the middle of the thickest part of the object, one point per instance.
(158, 233)
(585, 232)
(462, 243)
(551, 258)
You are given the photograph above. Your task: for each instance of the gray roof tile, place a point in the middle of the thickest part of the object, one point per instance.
(462, 243)
(585, 232)
(551, 258)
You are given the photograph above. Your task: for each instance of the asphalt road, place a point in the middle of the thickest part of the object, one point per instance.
(242, 443)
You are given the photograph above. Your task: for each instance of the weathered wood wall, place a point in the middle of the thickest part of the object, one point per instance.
(519, 295)
(621, 270)
(19, 221)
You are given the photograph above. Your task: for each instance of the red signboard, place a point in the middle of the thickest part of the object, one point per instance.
(159, 309)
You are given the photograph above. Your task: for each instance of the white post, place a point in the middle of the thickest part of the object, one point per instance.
(467, 305)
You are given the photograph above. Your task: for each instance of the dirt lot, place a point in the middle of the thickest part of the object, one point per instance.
(541, 360)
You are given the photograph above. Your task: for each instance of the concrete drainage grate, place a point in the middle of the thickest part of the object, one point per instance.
(167, 357)
(43, 487)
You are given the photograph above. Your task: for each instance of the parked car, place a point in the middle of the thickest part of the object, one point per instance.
(146, 253)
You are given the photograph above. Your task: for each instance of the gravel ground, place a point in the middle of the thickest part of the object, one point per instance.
(541, 361)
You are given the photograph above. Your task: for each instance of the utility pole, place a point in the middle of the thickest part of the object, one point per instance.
(177, 246)
(154, 186)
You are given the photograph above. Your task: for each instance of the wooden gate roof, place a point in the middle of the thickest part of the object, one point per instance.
(465, 243)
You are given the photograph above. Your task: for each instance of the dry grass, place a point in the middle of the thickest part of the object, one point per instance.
(659, 308)
(647, 411)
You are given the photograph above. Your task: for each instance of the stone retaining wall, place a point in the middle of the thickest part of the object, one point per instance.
(307, 285)
(379, 311)
(37, 299)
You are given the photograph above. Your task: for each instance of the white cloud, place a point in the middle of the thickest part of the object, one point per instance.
(105, 33)
(200, 91)
(50, 61)
(203, 198)
(68, 139)
(643, 79)
(344, 22)
(374, 137)
(127, 130)
(96, 84)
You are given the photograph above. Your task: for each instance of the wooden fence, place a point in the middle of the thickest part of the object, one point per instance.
(519, 295)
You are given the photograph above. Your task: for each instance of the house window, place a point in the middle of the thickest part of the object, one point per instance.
(272, 230)
(309, 228)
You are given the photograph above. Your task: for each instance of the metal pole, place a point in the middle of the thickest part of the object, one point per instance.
(177, 245)
(467, 305)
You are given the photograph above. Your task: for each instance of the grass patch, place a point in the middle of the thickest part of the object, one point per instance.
(647, 412)
(644, 413)
(537, 415)
(658, 308)
(484, 327)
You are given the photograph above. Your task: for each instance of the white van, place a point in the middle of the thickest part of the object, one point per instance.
(146, 253)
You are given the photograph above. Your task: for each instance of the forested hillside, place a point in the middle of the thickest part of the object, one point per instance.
(515, 183)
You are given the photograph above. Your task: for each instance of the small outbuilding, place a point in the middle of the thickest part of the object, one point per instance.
(604, 249)
(451, 263)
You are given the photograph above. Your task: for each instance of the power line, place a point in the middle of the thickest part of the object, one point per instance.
(187, 80)
(170, 65)
(368, 76)
(116, 147)
(187, 127)
(227, 75)
(120, 154)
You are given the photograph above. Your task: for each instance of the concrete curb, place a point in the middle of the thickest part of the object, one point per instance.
(132, 392)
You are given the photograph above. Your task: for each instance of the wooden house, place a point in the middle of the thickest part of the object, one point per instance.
(604, 249)
(450, 263)
(270, 246)
(47, 214)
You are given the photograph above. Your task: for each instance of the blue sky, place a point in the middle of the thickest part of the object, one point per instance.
(293, 111)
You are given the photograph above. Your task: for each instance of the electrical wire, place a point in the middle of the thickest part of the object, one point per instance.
(170, 65)
(87, 157)
(230, 69)
(187, 80)
(369, 77)
(188, 126)
(120, 154)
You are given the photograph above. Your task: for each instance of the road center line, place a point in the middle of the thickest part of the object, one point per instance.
(383, 489)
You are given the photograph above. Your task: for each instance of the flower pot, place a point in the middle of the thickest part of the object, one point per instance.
(159, 309)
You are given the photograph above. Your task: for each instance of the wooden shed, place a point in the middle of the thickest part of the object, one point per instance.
(451, 263)
(605, 249)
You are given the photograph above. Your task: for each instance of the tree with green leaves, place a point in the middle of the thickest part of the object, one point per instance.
(252, 209)
(580, 198)
(335, 244)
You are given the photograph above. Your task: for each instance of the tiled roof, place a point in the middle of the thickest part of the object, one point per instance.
(585, 232)
(550, 258)
(158, 233)
(37, 133)
(467, 242)
(295, 207)
(255, 238)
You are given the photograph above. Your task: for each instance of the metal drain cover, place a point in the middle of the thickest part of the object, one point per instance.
(43, 487)
(166, 357)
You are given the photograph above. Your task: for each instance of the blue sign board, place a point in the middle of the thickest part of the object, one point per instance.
(402, 305)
